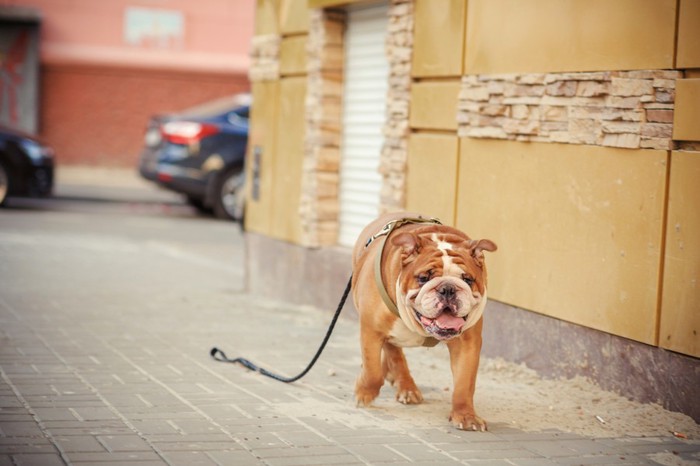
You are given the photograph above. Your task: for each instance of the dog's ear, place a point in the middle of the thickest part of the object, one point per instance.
(409, 243)
(478, 247)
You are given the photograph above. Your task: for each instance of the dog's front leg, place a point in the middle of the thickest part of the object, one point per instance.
(371, 375)
(464, 360)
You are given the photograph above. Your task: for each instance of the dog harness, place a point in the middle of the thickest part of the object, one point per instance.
(384, 233)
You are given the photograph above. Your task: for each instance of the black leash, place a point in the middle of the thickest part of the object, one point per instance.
(245, 362)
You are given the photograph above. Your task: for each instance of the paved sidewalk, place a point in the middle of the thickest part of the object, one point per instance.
(95, 382)
(110, 185)
(104, 342)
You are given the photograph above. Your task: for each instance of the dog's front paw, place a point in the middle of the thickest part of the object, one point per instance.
(409, 395)
(467, 421)
(365, 395)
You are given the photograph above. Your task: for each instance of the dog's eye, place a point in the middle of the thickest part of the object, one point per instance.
(467, 279)
(423, 278)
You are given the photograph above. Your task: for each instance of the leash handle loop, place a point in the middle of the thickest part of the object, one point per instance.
(220, 356)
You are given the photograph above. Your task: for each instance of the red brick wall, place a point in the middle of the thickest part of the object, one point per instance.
(97, 115)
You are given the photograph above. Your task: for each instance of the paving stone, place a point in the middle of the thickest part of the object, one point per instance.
(128, 463)
(189, 458)
(107, 427)
(532, 462)
(126, 443)
(20, 428)
(94, 414)
(12, 446)
(14, 416)
(260, 441)
(491, 462)
(548, 448)
(344, 459)
(301, 451)
(155, 427)
(376, 454)
(495, 454)
(592, 460)
(478, 446)
(194, 446)
(238, 458)
(38, 460)
(114, 457)
(55, 414)
(9, 402)
(419, 452)
(382, 439)
(303, 439)
(79, 443)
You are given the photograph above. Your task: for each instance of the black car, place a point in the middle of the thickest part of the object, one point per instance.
(26, 165)
(199, 152)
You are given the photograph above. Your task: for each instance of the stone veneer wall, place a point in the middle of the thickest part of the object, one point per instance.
(319, 206)
(264, 58)
(399, 49)
(630, 109)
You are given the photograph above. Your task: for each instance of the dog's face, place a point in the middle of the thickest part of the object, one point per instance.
(443, 279)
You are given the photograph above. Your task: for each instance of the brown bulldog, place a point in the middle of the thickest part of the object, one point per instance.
(416, 282)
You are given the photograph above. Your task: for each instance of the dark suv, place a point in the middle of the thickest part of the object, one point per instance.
(199, 152)
(26, 165)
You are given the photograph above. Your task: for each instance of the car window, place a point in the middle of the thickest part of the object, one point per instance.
(239, 116)
(242, 112)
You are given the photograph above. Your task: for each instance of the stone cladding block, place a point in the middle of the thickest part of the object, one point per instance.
(399, 49)
(265, 58)
(319, 206)
(630, 109)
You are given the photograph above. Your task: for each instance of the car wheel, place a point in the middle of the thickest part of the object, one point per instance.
(4, 183)
(228, 203)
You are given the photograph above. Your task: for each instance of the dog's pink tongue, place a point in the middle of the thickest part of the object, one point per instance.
(447, 320)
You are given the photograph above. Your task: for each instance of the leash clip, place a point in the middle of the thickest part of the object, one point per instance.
(386, 229)
(390, 226)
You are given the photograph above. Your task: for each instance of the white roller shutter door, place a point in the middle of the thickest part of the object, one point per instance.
(364, 106)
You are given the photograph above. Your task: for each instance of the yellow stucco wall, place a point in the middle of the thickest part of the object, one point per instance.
(579, 229)
(582, 230)
(294, 16)
(689, 34)
(686, 118)
(293, 55)
(438, 38)
(432, 175)
(680, 310)
(533, 36)
(260, 157)
(267, 17)
(289, 140)
(434, 105)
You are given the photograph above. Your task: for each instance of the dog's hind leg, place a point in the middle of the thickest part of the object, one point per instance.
(395, 369)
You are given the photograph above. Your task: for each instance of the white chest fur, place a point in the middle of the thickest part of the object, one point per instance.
(401, 335)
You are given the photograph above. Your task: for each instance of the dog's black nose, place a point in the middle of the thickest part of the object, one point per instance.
(446, 291)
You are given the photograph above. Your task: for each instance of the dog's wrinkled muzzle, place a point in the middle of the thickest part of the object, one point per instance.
(444, 326)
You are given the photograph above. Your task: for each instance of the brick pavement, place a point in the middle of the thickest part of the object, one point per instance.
(104, 359)
(79, 387)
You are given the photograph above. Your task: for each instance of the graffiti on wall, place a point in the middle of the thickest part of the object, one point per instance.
(18, 77)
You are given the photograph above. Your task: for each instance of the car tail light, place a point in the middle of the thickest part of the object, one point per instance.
(187, 132)
(166, 177)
